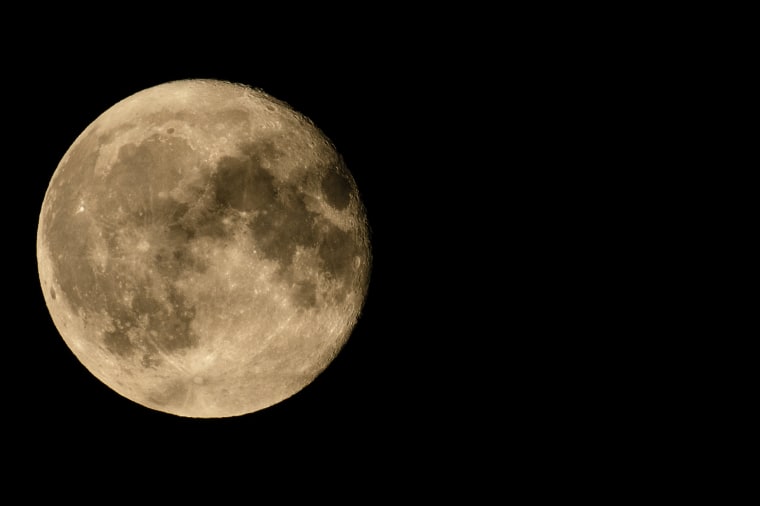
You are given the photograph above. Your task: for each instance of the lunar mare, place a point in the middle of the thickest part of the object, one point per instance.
(203, 249)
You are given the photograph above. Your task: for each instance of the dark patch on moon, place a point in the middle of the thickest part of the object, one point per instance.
(150, 359)
(164, 324)
(305, 294)
(243, 184)
(144, 170)
(280, 220)
(337, 250)
(117, 339)
(174, 392)
(52, 293)
(172, 326)
(145, 304)
(284, 225)
(232, 119)
(117, 342)
(200, 221)
(173, 257)
(336, 187)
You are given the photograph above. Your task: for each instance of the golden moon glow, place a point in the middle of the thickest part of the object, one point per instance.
(203, 250)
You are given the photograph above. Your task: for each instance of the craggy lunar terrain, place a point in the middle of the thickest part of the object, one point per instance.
(203, 250)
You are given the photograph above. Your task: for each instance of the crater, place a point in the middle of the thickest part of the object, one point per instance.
(150, 359)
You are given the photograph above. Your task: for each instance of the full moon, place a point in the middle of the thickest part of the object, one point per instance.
(203, 249)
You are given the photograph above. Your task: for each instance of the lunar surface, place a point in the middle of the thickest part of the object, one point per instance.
(203, 249)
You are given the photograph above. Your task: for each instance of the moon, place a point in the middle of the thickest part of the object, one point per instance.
(203, 249)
